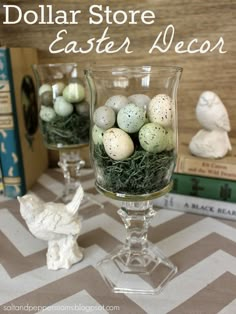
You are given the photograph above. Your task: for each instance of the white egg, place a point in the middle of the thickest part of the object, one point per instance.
(140, 100)
(45, 88)
(118, 144)
(74, 92)
(131, 118)
(152, 138)
(116, 102)
(160, 110)
(97, 135)
(104, 117)
(62, 107)
(47, 113)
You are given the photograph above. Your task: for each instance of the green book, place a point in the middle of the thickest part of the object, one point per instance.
(211, 188)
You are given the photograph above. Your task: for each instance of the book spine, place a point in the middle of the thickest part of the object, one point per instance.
(205, 168)
(11, 155)
(1, 181)
(196, 205)
(211, 188)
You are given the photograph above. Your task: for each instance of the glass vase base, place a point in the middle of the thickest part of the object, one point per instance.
(138, 272)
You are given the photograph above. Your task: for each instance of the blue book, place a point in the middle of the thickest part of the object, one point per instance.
(23, 156)
(1, 181)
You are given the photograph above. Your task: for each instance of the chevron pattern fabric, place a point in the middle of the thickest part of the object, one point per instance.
(203, 248)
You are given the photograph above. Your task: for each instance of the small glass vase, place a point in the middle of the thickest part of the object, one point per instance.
(134, 147)
(64, 117)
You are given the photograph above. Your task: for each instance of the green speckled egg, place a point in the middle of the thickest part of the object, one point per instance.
(170, 140)
(116, 102)
(131, 118)
(97, 135)
(47, 113)
(62, 107)
(152, 138)
(74, 92)
(104, 117)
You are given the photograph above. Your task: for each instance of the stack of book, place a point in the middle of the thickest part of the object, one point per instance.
(203, 186)
(23, 156)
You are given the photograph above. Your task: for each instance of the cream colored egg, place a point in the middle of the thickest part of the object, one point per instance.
(118, 144)
(160, 110)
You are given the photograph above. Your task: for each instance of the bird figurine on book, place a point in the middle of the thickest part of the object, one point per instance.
(57, 223)
(212, 141)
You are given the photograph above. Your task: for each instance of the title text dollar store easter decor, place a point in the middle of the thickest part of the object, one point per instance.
(98, 14)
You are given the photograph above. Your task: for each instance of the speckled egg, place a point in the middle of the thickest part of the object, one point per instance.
(159, 110)
(131, 118)
(58, 89)
(97, 135)
(46, 98)
(116, 102)
(118, 144)
(104, 117)
(62, 107)
(170, 140)
(74, 92)
(152, 138)
(140, 100)
(47, 113)
(82, 108)
(44, 88)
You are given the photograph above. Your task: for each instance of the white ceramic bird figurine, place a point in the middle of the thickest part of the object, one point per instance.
(57, 223)
(212, 141)
(211, 112)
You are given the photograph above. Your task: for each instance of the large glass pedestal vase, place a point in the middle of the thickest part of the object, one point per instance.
(134, 148)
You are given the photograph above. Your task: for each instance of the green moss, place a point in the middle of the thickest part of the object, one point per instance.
(70, 130)
(141, 173)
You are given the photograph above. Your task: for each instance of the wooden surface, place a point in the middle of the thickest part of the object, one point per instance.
(204, 20)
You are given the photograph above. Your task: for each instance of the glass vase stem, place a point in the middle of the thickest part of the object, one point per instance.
(136, 217)
(70, 163)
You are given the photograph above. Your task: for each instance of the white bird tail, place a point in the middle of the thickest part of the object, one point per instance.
(73, 206)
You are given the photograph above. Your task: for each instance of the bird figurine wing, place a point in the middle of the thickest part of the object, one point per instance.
(56, 219)
(223, 121)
